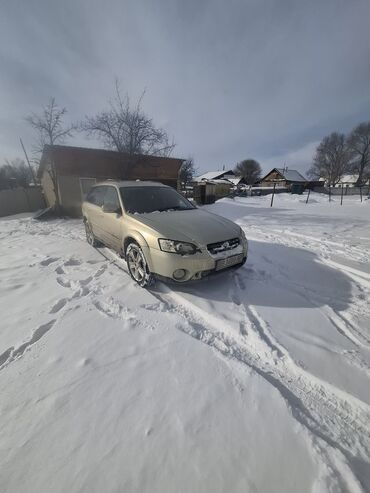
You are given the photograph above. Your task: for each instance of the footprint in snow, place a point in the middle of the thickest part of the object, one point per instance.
(65, 283)
(58, 305)
(14, 353)
(100, 271)
(72, 262)
(113, 309)
(5, 355)
(154, 307)
(36, 336)
(48, 261)
(85, 282)
(80, 292)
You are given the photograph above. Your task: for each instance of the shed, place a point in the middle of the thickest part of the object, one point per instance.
(78, 168)
(204, 192)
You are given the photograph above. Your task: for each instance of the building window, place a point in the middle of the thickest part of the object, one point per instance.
(85, 185)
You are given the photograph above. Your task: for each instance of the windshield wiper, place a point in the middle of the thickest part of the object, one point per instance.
(174, 208)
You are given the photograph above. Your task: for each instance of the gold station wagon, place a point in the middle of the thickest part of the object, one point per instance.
(160, 233)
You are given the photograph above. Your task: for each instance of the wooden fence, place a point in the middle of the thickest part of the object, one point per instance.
(17, 200)
(365, 190)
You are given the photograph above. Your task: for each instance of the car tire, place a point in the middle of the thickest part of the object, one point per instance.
(90, 238)
(137, 265)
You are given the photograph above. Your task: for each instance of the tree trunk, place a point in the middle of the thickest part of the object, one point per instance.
(361, 171)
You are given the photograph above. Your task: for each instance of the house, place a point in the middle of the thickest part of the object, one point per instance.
(77, 169)
(237, 181)
(351, 181)
(215, 175)
(283, 178)
(222, 183)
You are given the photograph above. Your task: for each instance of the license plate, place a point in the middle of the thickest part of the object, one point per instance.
(229, 261)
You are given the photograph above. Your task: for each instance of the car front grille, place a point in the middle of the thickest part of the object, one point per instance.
(223, 246)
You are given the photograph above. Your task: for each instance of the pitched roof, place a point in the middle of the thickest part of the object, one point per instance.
(349, 179)
(291, 174)
(103, 163)
(286, 174)
(222, 181)
(214, 175)
(236, 180)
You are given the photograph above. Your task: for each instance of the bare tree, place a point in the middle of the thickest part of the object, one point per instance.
(15, 173)
(249, 169)
(51, 129)
(332, 159)
(359, 143)
(187, 171)
(126, 128)
(49, 125)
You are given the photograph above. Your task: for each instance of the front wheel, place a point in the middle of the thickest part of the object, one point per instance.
(138, 266)
(91, 240)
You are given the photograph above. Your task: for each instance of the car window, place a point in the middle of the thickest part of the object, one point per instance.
(96, 196)
(142, 200)
(86, 185)
(111, 197)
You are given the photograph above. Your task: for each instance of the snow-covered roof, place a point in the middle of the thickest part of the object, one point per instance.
(349, 179)
(213, 175)
(291, 174)
(236, 180)
(220, 180)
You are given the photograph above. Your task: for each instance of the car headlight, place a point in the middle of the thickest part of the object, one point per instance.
(179, 247)
(243, 237)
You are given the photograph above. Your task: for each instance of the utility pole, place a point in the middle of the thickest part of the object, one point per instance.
(308, 196)
(273, 194)
(28, 161)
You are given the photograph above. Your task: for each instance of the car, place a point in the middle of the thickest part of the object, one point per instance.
(160, 233)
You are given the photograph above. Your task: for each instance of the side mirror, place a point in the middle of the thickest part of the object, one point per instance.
(111, 208)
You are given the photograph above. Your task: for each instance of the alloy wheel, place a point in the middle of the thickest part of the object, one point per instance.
(137, 265)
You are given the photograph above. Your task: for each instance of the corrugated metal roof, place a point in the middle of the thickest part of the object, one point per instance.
(291, 174)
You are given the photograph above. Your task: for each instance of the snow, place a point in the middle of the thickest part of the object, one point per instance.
(253, 380)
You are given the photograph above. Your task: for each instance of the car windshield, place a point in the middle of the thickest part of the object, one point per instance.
(143, 200)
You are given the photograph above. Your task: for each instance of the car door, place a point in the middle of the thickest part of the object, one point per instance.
(112, 221)
(94, 212)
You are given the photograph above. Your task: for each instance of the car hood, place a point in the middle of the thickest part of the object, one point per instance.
(193, 225)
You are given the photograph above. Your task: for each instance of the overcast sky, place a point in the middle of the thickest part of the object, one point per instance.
(229, 80)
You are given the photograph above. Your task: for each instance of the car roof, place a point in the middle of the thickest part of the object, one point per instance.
(131, 183)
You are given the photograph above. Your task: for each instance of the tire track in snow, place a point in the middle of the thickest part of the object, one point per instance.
(332, 417)
(346, 328)
(326, 412)
(360, 279)
(321, 246)
(328, 418)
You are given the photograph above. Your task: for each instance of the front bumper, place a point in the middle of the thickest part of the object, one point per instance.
(197, 266)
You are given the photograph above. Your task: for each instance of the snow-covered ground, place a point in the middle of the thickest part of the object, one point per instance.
(255, 380)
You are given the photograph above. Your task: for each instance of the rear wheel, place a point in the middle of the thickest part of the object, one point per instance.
(138, 266)
(91, 240)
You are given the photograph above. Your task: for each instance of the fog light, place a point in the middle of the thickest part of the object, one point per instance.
(179, 274)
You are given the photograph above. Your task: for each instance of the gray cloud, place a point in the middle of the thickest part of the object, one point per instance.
(229, 80)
